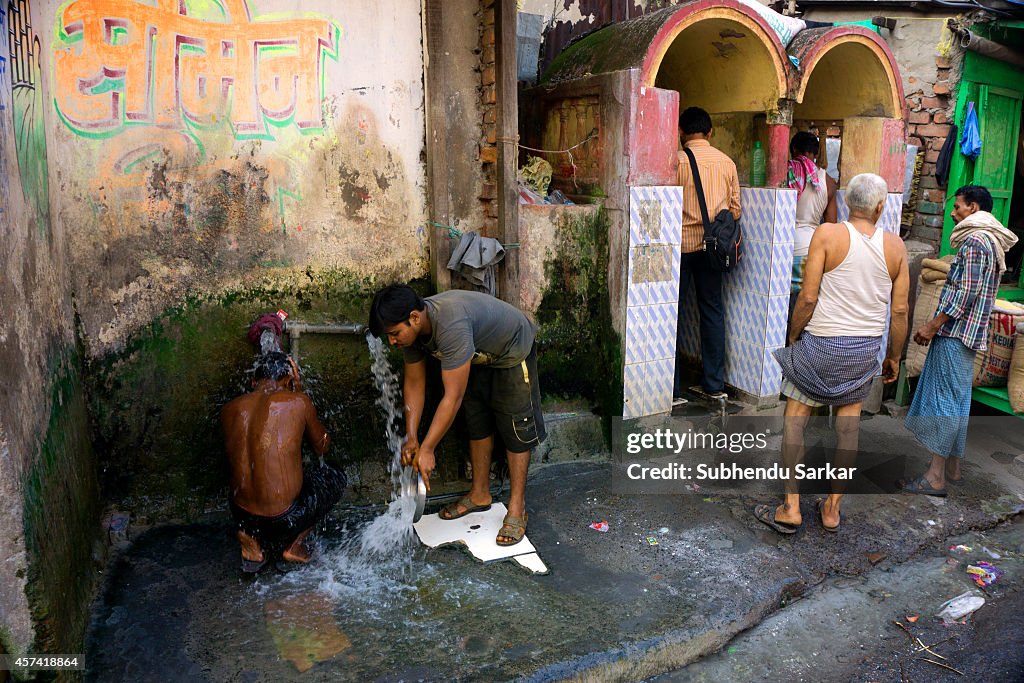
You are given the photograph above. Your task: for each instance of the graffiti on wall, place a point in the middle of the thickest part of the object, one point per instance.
(27, 107)
(122, 63)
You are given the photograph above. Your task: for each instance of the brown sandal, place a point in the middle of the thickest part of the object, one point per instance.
(451, 510)
(512, 527)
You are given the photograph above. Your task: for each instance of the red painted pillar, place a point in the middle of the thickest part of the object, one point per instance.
(778, 154)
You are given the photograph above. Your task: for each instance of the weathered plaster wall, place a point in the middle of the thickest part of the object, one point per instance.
(930, 68)
(565, 253)
(251, 137)
(48, 493)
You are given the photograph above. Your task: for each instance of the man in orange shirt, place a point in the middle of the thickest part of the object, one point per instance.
(721, 191)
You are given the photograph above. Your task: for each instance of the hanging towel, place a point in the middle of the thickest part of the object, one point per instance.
(475, 258)
(946, 157)
(970, 140)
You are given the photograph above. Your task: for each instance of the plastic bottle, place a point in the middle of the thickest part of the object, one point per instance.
(757, 170)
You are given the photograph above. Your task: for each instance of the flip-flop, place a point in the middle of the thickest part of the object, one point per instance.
(833, 529)
(512, 527)
(451, 509)
(955, 482)
(921, 486)
(766, 515)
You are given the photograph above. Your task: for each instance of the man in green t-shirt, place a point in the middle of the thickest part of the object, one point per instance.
(488, 367)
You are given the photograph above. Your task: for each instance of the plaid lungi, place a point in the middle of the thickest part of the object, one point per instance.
(833, 371)
(940, 411)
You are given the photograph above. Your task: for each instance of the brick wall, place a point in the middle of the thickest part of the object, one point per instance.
(928, 123)
(489, 107)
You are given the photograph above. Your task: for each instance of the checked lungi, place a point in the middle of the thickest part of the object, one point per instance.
(834, 371)
(938, 416)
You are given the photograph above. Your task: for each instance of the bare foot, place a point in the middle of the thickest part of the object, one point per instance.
(297, 551)
(785, 515)
(953, 472)
(250, 547)
(830, 513)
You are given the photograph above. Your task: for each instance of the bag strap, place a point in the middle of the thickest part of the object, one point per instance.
(700, 191)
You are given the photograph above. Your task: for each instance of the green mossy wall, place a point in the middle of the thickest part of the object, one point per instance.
(156, 404)
(579, 351)
(61, 511)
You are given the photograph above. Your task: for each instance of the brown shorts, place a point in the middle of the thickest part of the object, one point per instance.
(506, 400)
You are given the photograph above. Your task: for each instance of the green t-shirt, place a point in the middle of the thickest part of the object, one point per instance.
(473, 326)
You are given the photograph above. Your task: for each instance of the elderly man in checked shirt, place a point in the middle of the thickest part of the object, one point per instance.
(942, 401)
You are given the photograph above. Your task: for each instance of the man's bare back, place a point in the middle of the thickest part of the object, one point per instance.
(263, 431)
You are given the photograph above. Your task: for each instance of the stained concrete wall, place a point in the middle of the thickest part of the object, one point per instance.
(48, 493)
(171, 173)
(251, 140)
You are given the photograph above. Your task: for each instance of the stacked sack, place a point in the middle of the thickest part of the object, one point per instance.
(992, 366)
(933, 278)
(1016, 379)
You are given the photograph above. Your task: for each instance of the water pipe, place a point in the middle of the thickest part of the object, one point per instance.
(983, 46)
(296, 329)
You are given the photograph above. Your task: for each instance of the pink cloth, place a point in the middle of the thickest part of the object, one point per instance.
(264, 322)
(801, 171)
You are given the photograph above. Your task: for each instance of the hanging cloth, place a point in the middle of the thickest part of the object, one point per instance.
(970, 141)
(801, 171)
(946, 157)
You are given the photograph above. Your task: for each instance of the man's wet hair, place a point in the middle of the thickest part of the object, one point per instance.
(976, 194)
(391, 306)
(804, 144)
(695, 120)
(274, 365)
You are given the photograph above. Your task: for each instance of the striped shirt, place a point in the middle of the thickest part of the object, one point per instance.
(721, 190)
(969, 292)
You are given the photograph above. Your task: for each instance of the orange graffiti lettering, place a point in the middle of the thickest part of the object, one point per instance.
(123, 62)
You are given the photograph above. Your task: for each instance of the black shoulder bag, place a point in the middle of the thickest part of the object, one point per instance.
(723, 237)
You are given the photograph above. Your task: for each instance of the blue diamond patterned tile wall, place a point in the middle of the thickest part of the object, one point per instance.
(661, 332)
(754, 270)
(743, 365)
(781, 270)
(655, 230)
(842, 210)
(658, 381)
(771, 375)
(655, 215)
(758, 205)
(785, 216)
(892, 214)
(636, 335)
(633, 390)
(746, 313)
(778, 320)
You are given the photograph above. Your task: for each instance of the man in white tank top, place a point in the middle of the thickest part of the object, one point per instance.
(856, 277)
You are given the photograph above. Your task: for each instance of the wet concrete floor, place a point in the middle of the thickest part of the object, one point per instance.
(614, 607)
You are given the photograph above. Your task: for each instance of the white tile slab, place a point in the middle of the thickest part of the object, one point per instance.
(532, 562)
(476, 531)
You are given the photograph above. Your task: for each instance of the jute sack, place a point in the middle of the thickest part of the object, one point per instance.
(924, 311)
(992, 366)
(942, 264)
(1015, 382)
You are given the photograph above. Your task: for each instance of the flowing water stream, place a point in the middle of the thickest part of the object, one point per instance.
(363, 557)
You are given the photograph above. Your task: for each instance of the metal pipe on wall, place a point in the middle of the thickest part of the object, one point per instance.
(296, 329)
